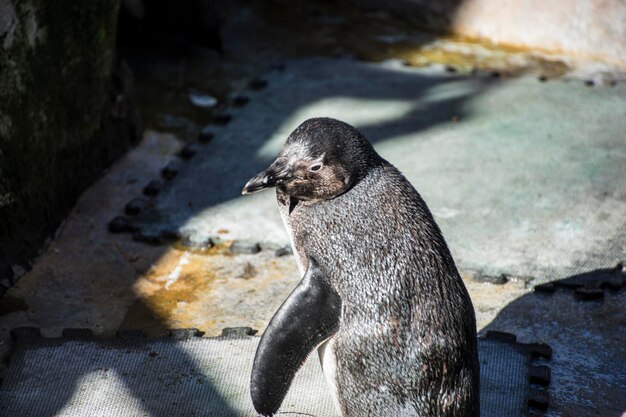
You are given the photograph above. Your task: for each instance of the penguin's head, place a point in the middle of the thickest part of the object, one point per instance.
(322, 158)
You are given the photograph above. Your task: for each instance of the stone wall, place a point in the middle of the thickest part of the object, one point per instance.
(64, 115)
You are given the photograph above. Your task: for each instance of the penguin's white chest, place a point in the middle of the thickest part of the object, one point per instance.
(329, 366)
(284, 214)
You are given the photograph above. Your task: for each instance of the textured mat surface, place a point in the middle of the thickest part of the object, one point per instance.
(524, 178)
(588, 377)
(194, 376)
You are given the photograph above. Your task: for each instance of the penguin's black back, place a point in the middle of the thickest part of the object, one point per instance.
(407, 342)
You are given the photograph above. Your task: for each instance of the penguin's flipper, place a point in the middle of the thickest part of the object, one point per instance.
(307, 318)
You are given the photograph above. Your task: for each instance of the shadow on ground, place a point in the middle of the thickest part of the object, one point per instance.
(583, 319)
(396, 103)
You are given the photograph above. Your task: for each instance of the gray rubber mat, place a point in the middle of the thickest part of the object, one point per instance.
(585, 325)
(524, 178)
(187, 375)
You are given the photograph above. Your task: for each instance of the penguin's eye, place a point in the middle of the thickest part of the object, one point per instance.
(315, 167)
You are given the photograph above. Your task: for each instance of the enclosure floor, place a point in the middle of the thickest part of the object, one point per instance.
(526, 179)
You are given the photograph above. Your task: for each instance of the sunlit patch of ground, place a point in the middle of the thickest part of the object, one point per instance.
(211, 290)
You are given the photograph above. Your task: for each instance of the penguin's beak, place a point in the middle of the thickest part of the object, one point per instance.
(276, 174)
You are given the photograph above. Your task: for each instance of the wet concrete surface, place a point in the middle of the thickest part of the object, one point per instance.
(91, 278)
(564, 146)
(524, 178)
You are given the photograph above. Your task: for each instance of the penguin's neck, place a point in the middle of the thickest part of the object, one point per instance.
(292, 203)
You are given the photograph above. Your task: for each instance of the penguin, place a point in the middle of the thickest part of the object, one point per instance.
(380, 299)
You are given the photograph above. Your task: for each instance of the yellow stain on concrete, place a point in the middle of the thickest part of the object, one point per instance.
(210, 290)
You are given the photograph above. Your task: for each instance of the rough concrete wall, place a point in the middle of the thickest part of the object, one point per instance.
(587, 29)
(63, 117)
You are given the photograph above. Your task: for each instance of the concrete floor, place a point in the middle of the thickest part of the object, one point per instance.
(91, 278)
(526, 179)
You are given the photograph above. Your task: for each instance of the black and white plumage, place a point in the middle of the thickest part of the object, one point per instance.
(380, 298)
